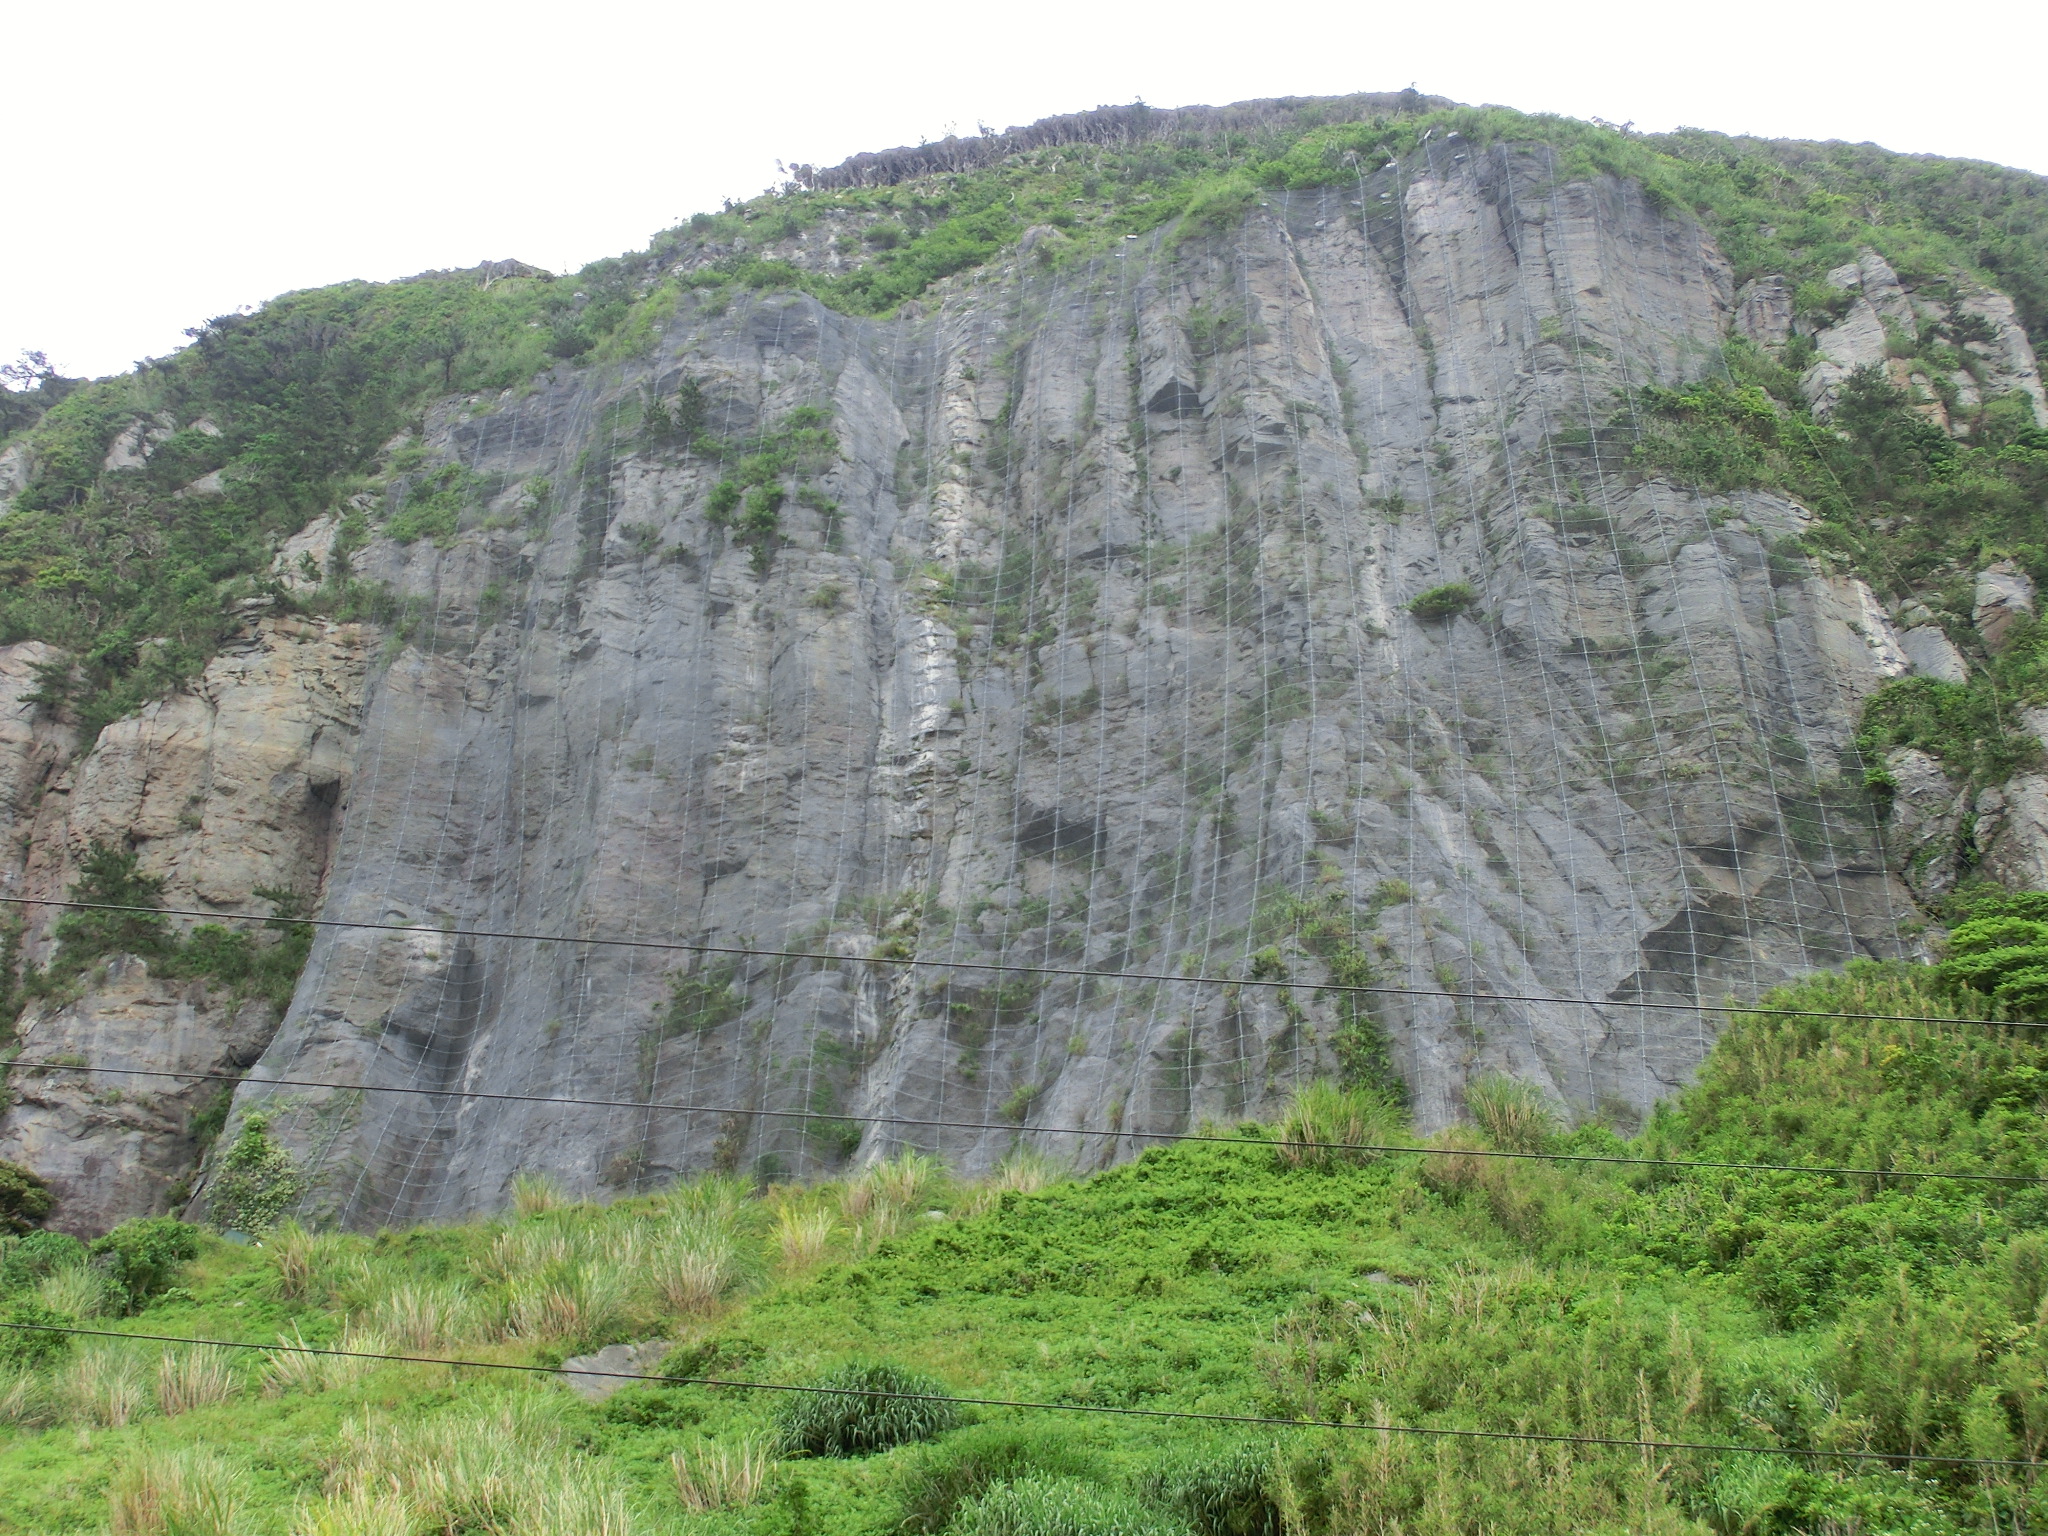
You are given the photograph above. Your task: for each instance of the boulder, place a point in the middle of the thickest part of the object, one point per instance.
(2004, 596)
(1933, 654)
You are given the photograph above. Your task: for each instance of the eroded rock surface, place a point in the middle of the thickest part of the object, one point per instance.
(226, 790)
(1088, 653)
(1092, 653)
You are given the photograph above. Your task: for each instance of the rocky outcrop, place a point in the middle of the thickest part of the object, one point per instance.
(1090, 652)
(2011, 831)
(2004, 596)
(1860, 338)
(34, 746)
(227, 791)
(1931, 653)
(112, 1143)
(1763, 311)
(15, 466)
(1881, 327)
(1923, 824)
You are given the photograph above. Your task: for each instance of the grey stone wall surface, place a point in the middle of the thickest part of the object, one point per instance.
(1092, 658)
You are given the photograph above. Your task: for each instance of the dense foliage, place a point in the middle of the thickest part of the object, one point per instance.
(1870, 1311)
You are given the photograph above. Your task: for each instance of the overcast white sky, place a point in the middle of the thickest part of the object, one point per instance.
(171, 162)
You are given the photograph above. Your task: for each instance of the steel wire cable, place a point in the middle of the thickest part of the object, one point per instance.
(1389, 1149)
(1193, 1415)
(827, 958)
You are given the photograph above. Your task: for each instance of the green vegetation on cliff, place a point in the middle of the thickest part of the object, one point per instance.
(1828, 1313)
(140, 578)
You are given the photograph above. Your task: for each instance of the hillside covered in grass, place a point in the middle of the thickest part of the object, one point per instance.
(1262, 1272)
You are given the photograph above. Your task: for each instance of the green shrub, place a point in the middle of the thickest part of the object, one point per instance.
(838, 1420)
(256, 1184)
(29, 1260)
(1063, 1506)
(25, 1346)
(111, 877)
(25, 1199)
(2005, 956)
(434, 506)
(942, 1479)
(142, 1256)
(701, 1000)
(1444, 602)
(1225, 1493)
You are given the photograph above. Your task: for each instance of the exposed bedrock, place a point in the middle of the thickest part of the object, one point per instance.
(224, 791)
(1089, 650)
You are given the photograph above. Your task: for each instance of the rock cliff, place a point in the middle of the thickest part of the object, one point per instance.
(1263, 602)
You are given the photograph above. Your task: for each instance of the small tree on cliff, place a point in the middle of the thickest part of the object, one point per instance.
(110, 878)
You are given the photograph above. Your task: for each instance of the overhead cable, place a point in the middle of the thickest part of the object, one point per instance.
(815, 957)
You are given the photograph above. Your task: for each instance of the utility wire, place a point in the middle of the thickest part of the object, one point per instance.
(740, 951)
(1007, 1402)
(1389, 1149)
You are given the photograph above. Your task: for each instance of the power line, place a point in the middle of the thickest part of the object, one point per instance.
(1388, 1149)
(1005, 1402)
(740, 951)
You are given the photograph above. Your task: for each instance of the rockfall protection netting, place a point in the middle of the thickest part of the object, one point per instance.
(1090, 638)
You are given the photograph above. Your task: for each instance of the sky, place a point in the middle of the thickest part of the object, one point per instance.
(171, 163)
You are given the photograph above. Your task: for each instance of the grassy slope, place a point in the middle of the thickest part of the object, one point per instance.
(1453, 1292)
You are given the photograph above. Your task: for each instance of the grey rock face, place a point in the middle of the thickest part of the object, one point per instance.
(1933, 654)
(2004, 596)
(222, 791)
(1099, 665)
(595, 1377)
(1923, 830)
(1763, 311)
(2012, 832)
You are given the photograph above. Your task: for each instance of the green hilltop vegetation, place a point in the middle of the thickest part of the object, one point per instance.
(1270, 1271)
(297, 405)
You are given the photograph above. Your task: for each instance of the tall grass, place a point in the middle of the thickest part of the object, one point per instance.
(724, 1195)
(578, 1302)
(802, 1237)
(1513, 1115)
(24, 1400)
(422, 1316)
(291, 1369)
(359, 1511)
(1326, 1126)
(77, 1290)
(193, 1378)
(714, 1477)
(535, 1194)
(525, 1249)
(511, 1470)
(1024, 1172)
(694, 1259)
(307, 1264)
(186, 1491)
(103, 1385)
(906, 1179)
